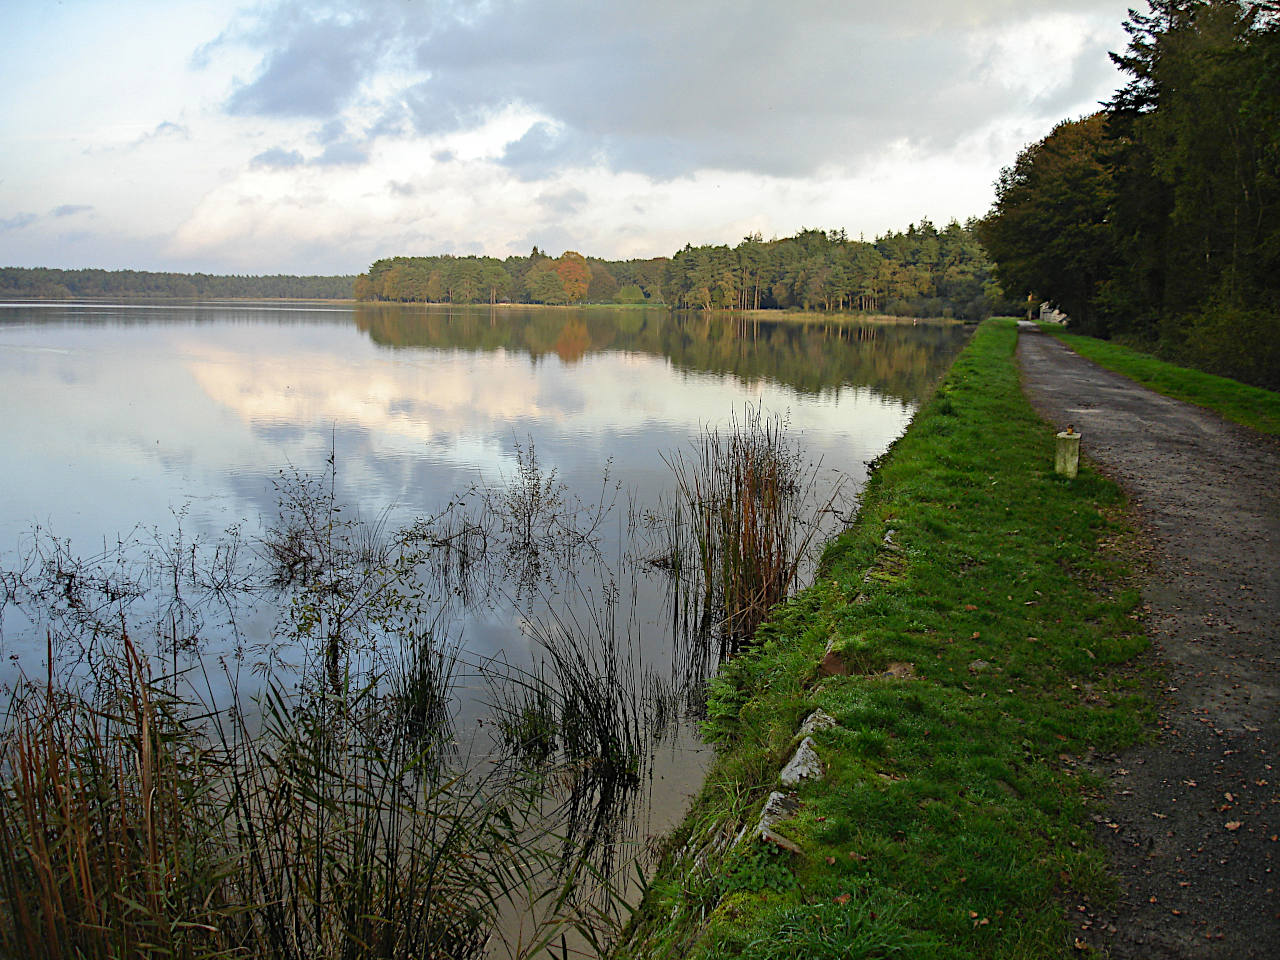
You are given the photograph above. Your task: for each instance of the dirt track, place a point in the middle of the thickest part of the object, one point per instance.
(1193, 821)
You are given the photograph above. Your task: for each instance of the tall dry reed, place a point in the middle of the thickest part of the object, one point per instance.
(746, 511)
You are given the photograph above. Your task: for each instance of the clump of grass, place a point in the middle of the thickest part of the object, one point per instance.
(746, 511)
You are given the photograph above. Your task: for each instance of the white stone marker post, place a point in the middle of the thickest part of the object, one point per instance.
(1066, 459)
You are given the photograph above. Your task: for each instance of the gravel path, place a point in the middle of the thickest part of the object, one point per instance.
(1193, 820)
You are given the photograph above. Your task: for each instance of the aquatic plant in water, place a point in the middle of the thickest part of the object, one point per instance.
(739, 529)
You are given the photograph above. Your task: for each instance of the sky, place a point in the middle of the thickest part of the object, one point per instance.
(313, 138)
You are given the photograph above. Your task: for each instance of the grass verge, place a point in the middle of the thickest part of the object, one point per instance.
(974, 617)
(1238, 402)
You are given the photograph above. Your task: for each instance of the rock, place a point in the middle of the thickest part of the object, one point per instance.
(818, 720)
(978, 666)
(803, 765)
(779, 807)
(778, 840)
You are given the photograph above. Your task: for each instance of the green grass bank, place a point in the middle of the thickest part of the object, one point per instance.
(976, 624)
(1232, 400)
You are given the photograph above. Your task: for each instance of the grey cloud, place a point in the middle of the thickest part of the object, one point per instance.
(340, 148)
(669, 88)
(439, 105)
(311, 71)
(401, 189)
(18, 221)
(778, 89)
(543, 150)
(167, 128)
(332, 132)
(1086, 75)
(335, 154)
(564, 203)
(393, 122)
(71, 209)
(277, 158)
(342, 153)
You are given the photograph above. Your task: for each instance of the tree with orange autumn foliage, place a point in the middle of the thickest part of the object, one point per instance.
(575, 272)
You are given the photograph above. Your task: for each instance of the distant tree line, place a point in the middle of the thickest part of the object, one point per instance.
(538, 278)
(49, 283)
(920, 272)
(1157, 219)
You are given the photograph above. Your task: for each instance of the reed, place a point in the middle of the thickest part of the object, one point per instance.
(579, 721)
(133, 824)
(103, 853)
(747, 510)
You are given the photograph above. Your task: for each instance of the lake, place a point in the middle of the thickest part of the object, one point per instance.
(137, 433)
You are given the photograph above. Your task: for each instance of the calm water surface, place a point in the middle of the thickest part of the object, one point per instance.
(123, 417)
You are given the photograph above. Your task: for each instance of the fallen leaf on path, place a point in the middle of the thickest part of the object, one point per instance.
(1234, 825)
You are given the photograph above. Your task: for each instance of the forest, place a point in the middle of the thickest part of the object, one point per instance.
(1156, 220)
(52, 284)
(923, 271)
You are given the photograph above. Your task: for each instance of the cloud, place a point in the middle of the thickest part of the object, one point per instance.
(71, 209)
(783, 90)
(565, 202)
(342, 152)
(277, 158)
(18, 221)
(314, 64)
(335, 154)
(339, 147)
(166, 128)
(544, 149)
(777, 89)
